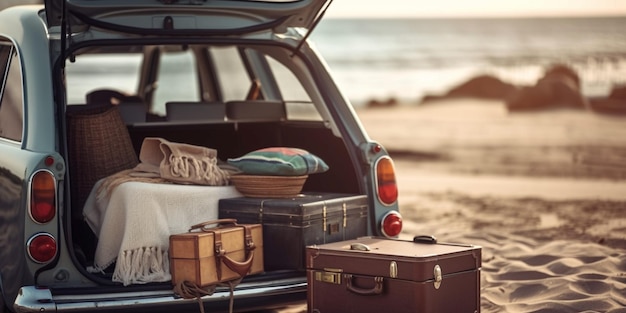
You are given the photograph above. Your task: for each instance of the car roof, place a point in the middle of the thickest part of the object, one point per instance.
(172, 17)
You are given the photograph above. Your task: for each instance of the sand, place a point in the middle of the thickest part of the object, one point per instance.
(544, 194)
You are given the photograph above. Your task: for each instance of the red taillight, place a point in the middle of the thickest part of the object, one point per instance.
(43, 197)
(386, 181)
(391, 226)
(42, 248)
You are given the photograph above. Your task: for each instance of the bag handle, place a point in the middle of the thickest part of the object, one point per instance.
(241, 268)
(223, 221)
(376, 290)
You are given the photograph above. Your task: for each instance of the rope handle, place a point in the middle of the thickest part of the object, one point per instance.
(223, 221)
(190, 290)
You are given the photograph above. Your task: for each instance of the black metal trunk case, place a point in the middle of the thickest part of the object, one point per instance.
(291, 224)
(384, 275)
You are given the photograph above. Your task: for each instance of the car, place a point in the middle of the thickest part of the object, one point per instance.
(229, 75)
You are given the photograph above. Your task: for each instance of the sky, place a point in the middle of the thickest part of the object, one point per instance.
(458, 8)
(475, 8)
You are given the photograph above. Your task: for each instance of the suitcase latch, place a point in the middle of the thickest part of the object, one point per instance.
(324, 217)
(438, 276)
(333, 228)
(393, 269)
(328, 277)
(261, 212)
(345, 215)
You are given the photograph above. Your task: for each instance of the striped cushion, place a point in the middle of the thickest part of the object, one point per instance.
(280, 161)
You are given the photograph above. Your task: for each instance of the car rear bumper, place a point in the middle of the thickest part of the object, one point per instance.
(246, 296)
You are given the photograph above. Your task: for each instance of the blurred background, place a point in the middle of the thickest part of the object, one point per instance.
(541, 191)
(408, 48)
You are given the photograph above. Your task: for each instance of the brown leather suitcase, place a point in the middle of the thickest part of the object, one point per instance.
(383, 275)
(209, 255)
(291, 224)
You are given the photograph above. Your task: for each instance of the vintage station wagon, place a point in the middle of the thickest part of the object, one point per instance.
(230, 75)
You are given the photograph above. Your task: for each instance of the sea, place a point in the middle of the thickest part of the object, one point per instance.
(406, 59)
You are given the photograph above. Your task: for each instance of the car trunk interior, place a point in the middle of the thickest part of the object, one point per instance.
(202, 103)
(231, 139)
(234, 139)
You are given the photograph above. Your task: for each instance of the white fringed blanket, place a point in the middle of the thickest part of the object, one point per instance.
(135, 220)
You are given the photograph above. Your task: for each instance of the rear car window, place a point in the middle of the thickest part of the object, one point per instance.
(163, 76)
(109, 71)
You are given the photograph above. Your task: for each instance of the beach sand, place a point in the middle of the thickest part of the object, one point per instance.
(543, 193)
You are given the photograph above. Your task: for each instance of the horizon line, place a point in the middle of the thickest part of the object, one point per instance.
(431, 17)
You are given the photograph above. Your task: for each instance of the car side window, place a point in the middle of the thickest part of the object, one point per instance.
(177, 80)
(11, 102)
(89, 73)
(232, 73)
(298, 104)
(236, 84)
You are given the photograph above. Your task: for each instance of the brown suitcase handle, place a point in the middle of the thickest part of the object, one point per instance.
(222, 221)
(241, 268)
(376, 290)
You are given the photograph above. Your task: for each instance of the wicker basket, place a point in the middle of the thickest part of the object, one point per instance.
(258, 186)
(98, 145)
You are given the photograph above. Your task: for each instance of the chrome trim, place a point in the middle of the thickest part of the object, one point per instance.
(39, 299)
(376, 180)
(32, 299)
(382, 222)
(30, 195)
(30, 240)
